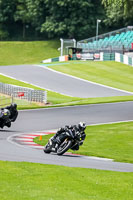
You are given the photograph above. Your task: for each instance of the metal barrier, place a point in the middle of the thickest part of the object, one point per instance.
(24, 93)
(92, 39)
(5, 100)
(104, 43)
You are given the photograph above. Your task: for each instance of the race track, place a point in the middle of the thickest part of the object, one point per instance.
(31, 121)
(52, 80)
(45, 119)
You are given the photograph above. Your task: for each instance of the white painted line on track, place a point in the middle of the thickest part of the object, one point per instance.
(21, 140)
(54, 130)
(110, 123)
(35, 85)
(26, 142)
(83, 79)
(29, 143)
(98, 158)
(74, 77)
(38, 147)
(85, 105)
(24, 139)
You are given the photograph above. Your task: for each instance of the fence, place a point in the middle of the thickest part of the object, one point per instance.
(22, 93)
(92, 39)
(124, 59)
(115, 41)
(5, 100)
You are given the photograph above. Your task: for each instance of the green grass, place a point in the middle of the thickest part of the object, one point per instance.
(26, 181)
(114, 141)
(27, 52)
(56, 99)
(108, 73)
(53, 97)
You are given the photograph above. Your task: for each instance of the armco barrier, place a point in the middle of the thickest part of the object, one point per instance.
(124, 59)
(108, 56)
(57, 59)
(103, 57)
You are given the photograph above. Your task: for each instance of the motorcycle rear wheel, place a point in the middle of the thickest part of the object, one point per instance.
(64, 147)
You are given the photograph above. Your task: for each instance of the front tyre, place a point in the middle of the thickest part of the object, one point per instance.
(64, 147)
(47, 148)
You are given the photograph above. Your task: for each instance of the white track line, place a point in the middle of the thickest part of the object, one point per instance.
(26, 110)
(35, 85)
(31, 144)
(83, 79)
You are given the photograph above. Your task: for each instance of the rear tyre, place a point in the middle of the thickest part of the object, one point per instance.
(64, 147)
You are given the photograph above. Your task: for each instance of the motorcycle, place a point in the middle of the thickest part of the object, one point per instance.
(71, 140)
(4, 117)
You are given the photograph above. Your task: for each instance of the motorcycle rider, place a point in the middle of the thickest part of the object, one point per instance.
(61, 134)
(13, 114)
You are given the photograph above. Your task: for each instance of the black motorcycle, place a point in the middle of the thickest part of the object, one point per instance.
(71, 140)
(4, 117)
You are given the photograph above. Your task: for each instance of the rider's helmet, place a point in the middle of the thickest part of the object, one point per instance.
(6, 114)
(14, 105)
(82, 126)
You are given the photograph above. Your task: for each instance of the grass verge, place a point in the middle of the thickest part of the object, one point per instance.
(12, 53)
(113, 141)
(26, 181)
(53, 97)
(56, 99)
(108, 73)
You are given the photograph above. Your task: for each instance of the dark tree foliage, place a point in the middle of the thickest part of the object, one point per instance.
(61, 18)
(119, 12)
(73, 18)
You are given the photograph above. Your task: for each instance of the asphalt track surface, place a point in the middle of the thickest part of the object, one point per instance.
(38, 120)
(49, 79)
(31, 121)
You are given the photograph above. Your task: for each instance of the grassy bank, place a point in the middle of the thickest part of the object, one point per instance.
(56, 99)
(108, 73)
(28, 181)
(53, 97)
(27, 52)
(113, 141)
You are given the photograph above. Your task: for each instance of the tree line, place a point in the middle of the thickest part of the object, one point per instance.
(43, 19)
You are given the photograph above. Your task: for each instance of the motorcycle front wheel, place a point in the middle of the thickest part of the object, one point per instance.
(47, 148)
(64, 147)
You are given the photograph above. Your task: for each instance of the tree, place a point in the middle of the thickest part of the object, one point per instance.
(7, 9)
(22, 14)
(125, 5)
(71, 18)
(37, 13)
(118, 12)
(56, 18)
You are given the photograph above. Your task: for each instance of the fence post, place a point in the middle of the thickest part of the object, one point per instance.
(61, 52)
(29, 94)
(12, 98)
(45, 97)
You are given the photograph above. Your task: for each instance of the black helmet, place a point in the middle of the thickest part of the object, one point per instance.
(14, 105)
(82, 126)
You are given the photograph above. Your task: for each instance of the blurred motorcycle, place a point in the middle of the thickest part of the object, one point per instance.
(4, 117)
